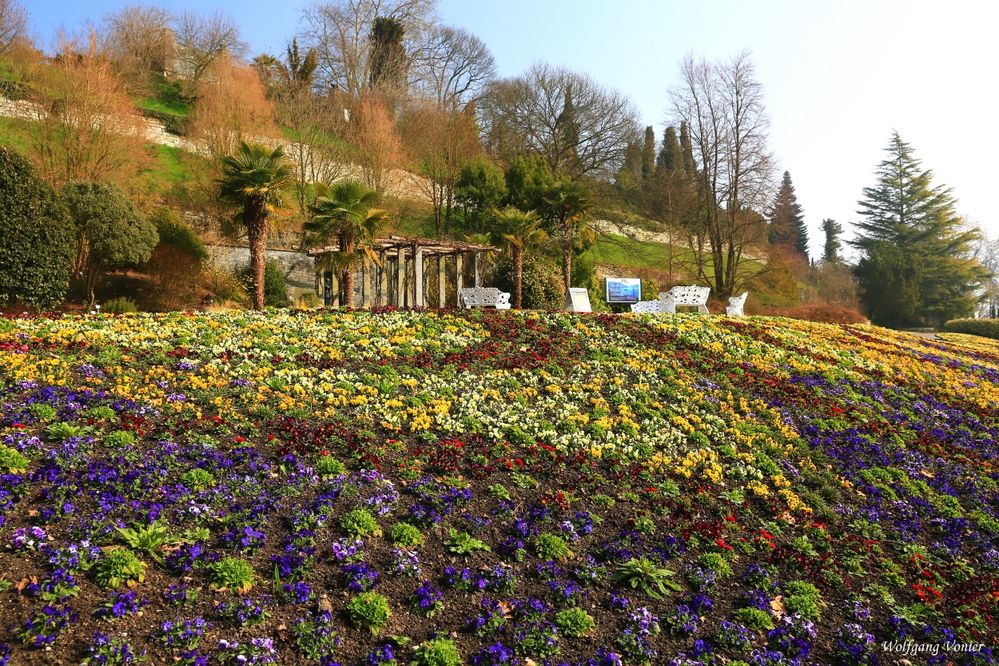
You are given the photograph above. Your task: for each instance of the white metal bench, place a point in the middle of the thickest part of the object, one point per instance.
(685, 295)
(647, 307)
(734, 308)
(484, 297)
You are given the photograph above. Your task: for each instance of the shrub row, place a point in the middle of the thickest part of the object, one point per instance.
(987, 328)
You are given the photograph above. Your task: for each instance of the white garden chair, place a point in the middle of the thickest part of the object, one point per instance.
(734, 308)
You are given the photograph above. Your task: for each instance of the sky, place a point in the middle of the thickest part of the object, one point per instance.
(838, 76)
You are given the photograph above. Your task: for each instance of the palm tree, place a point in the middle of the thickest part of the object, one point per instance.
(346, 214)
(565, 205)
(520, 230)
(252, 179)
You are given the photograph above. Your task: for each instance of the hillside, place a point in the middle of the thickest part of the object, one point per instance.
(546, 487)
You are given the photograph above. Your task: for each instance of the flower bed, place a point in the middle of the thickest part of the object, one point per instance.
(492, 488)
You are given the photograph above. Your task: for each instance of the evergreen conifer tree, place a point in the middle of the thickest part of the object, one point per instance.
(830, 249)
(787, 222)
(917, 263)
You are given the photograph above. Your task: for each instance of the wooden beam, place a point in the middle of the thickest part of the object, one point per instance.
(475, 267)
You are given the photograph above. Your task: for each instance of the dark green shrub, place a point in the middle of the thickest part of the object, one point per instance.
(542, 282)
(275, 287)
(37, 238)
(115, 233)
(175, 233)
(987, 328)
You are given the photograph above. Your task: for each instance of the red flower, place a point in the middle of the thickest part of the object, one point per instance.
(730, 518)
(721, 544)
(19, 425)
(240, 439)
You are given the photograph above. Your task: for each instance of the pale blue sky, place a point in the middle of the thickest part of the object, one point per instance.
(838, 75)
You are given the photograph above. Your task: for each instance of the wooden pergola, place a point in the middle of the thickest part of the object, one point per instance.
(399, 277)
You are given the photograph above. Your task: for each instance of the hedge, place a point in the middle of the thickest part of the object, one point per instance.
(37, 237)
(987, 328)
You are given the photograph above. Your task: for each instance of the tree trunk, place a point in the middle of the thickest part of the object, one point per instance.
(567, 267)
(518, 277)
(256, 227)
(348, 273)
(90, 280)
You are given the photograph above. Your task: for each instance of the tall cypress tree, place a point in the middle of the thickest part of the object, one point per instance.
(670, 154)
(787, 222)
(568, 130)
(389, 63)
(917, 262)
(648, 154)
(688, 151)
(830, 249)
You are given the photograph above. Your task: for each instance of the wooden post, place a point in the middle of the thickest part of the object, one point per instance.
(364, 285)
(475, 267)
(382, 278)
(400, 278)
(459, 270)
(418, 276)
(373, 283)
(441, 281)
(335, 283)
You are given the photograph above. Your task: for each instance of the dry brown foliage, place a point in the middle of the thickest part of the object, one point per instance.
(441, 141)
(87, 128)
(379, 148)
(231, 107)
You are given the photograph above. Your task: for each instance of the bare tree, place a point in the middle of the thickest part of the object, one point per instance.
(231, 108)
(577, 125)
(452, 66)
(320, 152)
(340, 32)
(13, 24)
(379, 149)
(722, 105)
(87, 128)
(442, 140)
(139, 41)
(202, 39)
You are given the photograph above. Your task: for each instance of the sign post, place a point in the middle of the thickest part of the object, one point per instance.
(579, 300)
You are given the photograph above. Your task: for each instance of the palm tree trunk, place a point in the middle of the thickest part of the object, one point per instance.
(348, 273)
(518, 277)
(348, 287)
(257, 231)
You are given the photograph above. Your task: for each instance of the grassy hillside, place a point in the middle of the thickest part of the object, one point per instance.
(522, 486)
